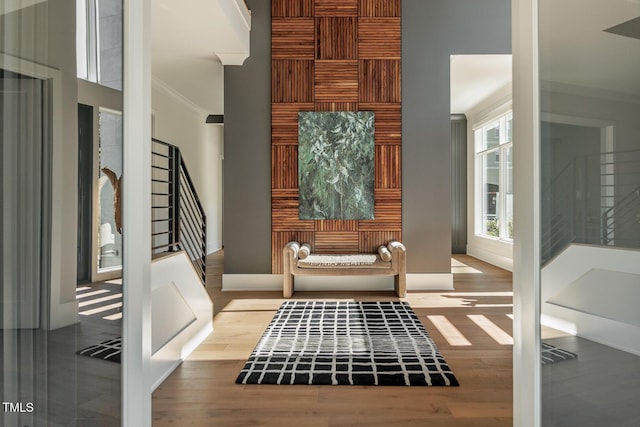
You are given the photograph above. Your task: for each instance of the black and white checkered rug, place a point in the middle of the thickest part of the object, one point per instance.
(108, 350)
(351, 343)
(552, 354)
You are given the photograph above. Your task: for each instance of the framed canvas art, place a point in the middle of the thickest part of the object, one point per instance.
(336, 165)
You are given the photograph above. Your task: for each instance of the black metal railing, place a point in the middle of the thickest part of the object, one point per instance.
(594, 200)
(558, 213)
(621, 222)
(177, 217)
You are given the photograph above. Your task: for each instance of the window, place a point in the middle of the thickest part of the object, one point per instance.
(494, 180)
(99, 41)
(109, 180)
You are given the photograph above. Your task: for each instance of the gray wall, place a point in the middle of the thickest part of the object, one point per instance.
(247, 153)
(432, 30)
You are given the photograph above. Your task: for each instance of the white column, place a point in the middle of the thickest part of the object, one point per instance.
(526, 180)
(136, 325)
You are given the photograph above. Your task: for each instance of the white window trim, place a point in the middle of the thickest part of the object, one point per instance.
(498, 115)
(491, 250)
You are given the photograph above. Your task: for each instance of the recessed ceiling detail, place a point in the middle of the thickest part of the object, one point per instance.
(629, 28)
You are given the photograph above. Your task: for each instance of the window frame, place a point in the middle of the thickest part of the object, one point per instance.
(88, 46)
(481, 152)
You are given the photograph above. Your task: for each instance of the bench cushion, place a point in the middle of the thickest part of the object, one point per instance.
(343, 261)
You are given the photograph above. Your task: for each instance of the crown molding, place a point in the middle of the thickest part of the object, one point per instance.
(169, 91)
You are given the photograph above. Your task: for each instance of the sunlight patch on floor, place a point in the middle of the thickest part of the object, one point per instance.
(91, 294)
(99, 300)
(460, 300)
(101, 309)
(450, 333)
(116, 316)
(458, 267)
(91, 300)
(493, 330)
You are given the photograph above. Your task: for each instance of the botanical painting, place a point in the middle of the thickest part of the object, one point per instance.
(336, 165)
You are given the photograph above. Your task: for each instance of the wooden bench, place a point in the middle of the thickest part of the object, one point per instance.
(294, 266)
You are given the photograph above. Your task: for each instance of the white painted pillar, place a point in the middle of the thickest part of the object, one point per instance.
(136, 325)
(526, 180)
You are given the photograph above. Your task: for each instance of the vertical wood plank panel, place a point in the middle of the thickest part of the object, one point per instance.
(379, 8)
(388, 166)
(336, 38)
(336, 106)
(291, 80)
(284, 166)
(336, 55)
(337, 225)
(379, 80)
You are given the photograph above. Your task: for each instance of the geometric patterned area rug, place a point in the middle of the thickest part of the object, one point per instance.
(552, 354)
(108, 350)
(346, 343)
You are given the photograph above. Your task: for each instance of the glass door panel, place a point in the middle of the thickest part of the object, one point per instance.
(590, 229)
(45, 318)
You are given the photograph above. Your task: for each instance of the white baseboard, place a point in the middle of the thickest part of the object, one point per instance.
(63, 314)
(213, 247)
(273, 282)
(430, 282)
(618, 335)
(492, 258)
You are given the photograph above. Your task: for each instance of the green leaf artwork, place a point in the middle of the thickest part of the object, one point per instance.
(336, 165)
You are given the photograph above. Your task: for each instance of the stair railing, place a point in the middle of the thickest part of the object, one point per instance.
(178, 218)
(624, 213)
(594, 200)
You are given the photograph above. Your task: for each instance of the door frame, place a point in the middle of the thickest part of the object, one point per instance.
(85, 209)
(56, 311)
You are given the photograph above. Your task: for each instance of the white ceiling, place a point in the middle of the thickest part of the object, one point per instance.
(188, 42)
(570, 54)
(574, 49)
(474, 78)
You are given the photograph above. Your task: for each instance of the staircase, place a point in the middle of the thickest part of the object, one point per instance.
(594, 200)
(178, 271)
(178, 218)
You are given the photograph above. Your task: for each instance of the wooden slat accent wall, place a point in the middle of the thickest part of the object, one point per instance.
(335, 55)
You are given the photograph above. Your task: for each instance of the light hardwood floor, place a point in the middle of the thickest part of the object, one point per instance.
(202, 392)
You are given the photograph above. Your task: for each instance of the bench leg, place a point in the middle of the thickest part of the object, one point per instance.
(287, 288)
(400, 284)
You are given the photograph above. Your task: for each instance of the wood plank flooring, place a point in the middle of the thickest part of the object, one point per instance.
(202, 391)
